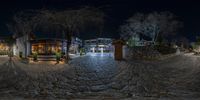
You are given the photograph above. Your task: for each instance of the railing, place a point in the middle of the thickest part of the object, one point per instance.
(2, 53)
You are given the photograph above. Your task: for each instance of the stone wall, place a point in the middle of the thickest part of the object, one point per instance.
(141, 52)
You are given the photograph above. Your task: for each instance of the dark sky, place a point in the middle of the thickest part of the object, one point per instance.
(117, 12)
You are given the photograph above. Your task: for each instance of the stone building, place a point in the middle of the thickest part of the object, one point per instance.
(99, 45)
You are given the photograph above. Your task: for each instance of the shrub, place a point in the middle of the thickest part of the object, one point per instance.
(58, 56)
(82, 51)
(35, 56)
(163, 49)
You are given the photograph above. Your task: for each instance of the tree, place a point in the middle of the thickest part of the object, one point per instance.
(133, 26)
(22, 26)
(153, 25)
(67, 23)
(74, 21)
(184, 42)
(10, 42)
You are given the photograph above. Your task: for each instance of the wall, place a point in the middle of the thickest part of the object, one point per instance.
(19, 46)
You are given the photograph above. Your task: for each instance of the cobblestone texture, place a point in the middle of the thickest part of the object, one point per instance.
(99, 77)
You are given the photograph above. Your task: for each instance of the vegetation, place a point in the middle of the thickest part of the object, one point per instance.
(196, 46)
(82, 51)
(10, 41)
(58, 56)
(22, 25)
(131, 42)
(152, 25)
(35, 56)
(164, 49)
(4, 52)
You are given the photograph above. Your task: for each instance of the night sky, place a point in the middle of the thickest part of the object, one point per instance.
(117, 11)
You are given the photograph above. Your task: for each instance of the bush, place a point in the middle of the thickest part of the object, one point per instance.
(165, 49)
(142, 52)
(82, 51)
(35, 56)
(58, 56)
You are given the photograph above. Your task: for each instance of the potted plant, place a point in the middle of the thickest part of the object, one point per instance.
(35, 56)
(81, 51)
(58, 56)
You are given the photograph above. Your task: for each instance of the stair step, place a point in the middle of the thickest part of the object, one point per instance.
(46, 56)
(46, 59)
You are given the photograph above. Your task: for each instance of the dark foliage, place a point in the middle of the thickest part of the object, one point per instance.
(164, 49)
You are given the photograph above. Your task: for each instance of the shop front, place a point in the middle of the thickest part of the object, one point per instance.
(4, 49)
(47, 47)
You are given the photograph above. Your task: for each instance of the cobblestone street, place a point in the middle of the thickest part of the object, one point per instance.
(100, 77)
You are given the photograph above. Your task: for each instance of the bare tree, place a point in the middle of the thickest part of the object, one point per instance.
(133, 26)
(74, 21)
(152, 25)
(22, 27)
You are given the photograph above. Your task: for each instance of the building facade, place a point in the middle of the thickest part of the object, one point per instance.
(138, 40)
(99, 45)
(4, 48)
(44, 46)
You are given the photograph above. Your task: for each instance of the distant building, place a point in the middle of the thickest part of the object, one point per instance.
(75, 45)
(139, 40)
(99, 45)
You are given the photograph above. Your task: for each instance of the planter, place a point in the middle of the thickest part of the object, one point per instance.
(35, 56)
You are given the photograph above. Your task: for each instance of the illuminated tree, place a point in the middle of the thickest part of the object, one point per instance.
(153, 25)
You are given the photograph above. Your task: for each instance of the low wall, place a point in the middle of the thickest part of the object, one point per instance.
(144, 53)
(140, 52)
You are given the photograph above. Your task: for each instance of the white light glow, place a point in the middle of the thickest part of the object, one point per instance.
(101, 45)
(93, 49)
(101, 50)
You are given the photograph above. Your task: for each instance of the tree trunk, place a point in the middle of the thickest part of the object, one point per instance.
(26, 45)
(10, 52)
(156, 32)
(69, 38)
(25, 48)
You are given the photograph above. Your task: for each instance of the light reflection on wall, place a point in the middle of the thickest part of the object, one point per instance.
(3, 47)
(45, 48)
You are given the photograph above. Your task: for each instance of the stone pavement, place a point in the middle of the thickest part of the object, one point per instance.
(99, 77)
